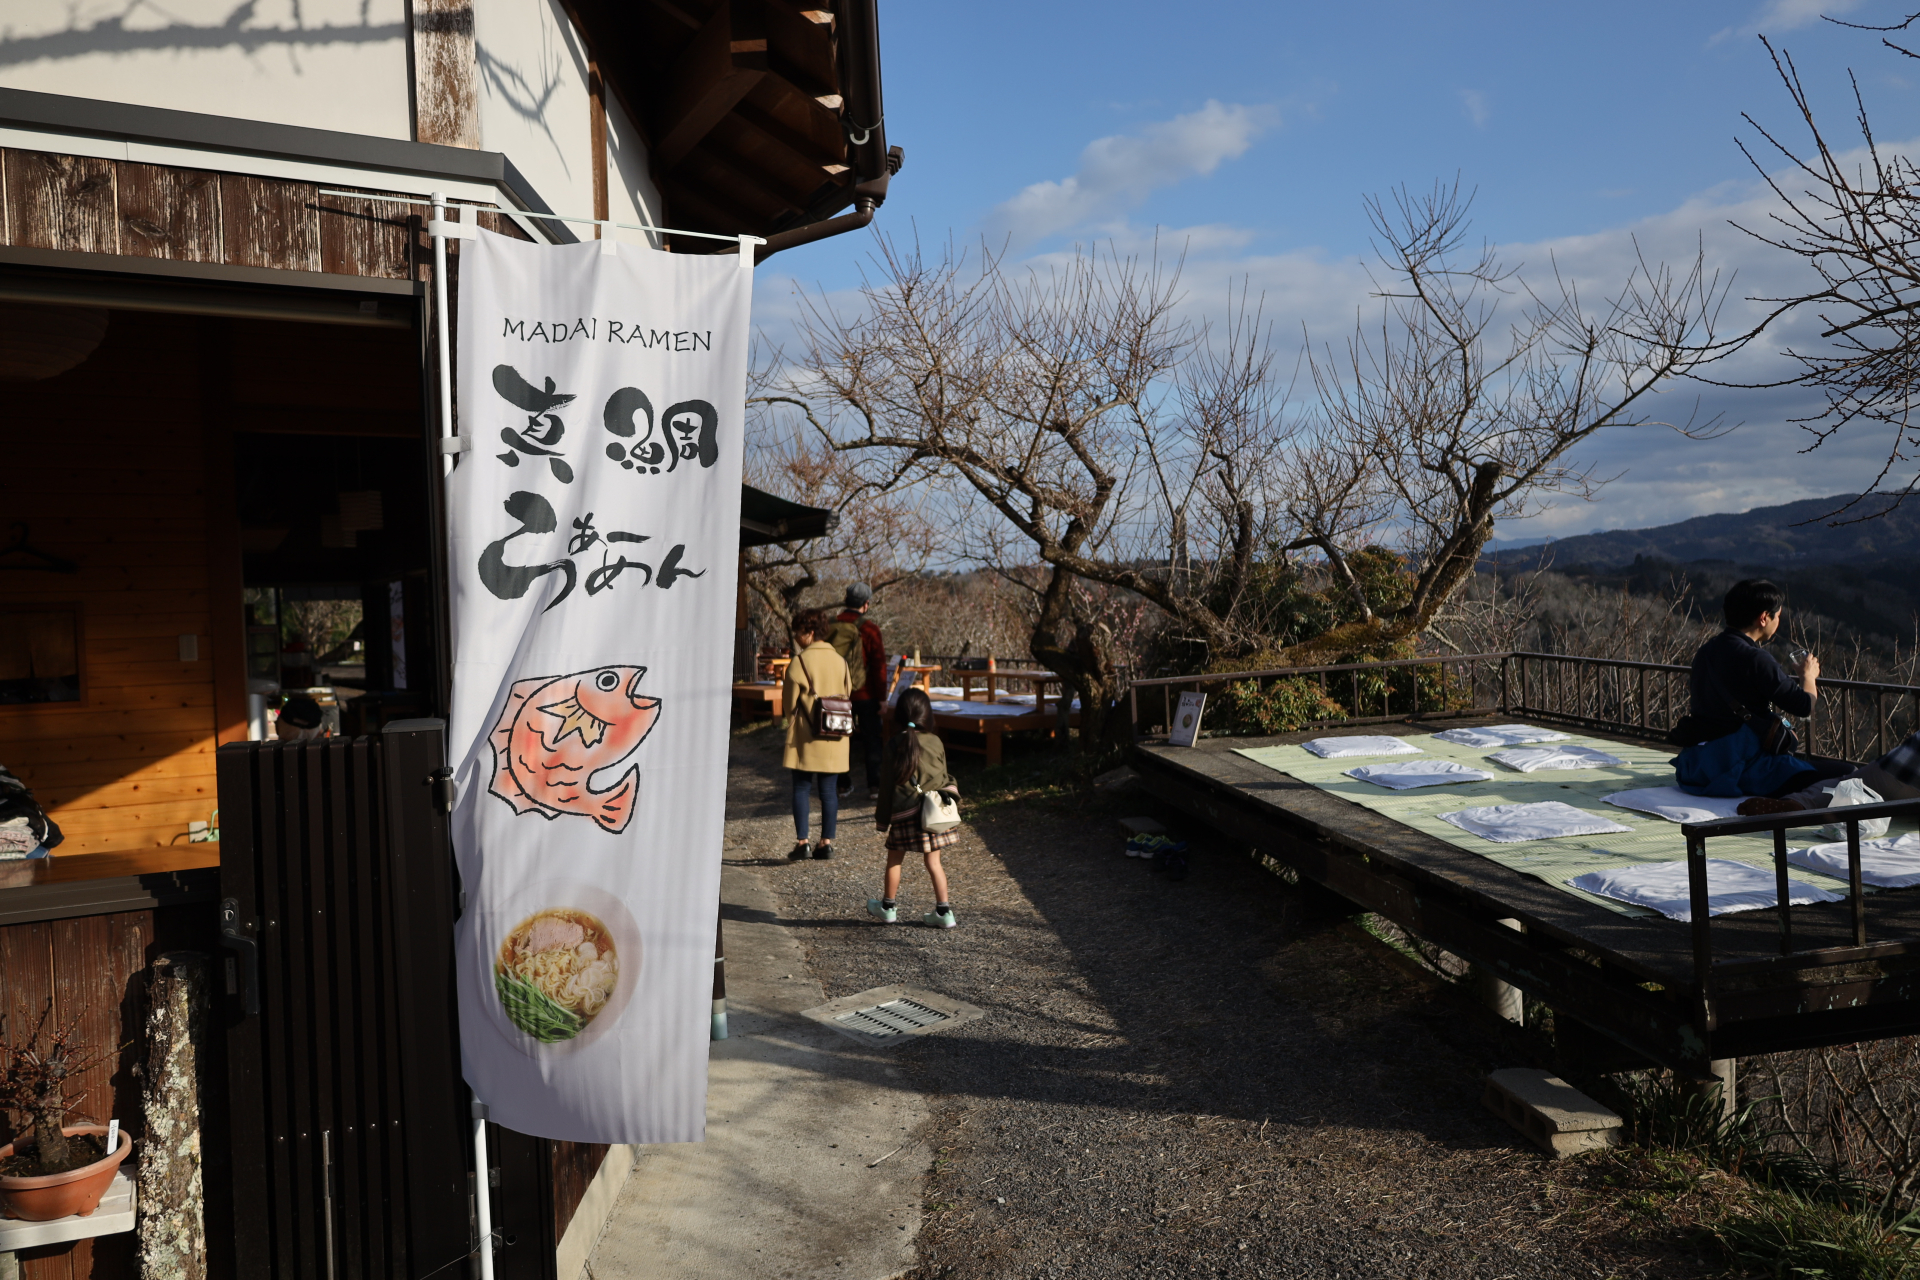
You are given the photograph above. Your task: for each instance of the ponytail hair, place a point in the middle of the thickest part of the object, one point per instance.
(912, 715)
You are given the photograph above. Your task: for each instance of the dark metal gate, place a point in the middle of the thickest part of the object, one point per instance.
(351, 1148)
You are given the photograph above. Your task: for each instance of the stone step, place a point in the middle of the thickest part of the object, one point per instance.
(1550, 1112)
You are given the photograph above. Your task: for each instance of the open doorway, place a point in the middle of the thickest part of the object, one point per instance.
(206, 515)
(336, 543)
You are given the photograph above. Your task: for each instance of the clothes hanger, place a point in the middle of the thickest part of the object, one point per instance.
(19, 546)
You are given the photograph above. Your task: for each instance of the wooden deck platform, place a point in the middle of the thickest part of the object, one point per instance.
(992, 729)
(1632, 979)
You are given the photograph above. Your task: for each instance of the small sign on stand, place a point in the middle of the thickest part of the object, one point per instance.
(1186, 721)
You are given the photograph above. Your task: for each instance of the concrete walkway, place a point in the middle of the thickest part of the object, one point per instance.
(796, 1114)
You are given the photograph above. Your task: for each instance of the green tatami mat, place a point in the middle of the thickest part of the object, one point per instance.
(1558, 860)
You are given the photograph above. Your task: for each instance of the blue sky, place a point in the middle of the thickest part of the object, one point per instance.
(1251, 132)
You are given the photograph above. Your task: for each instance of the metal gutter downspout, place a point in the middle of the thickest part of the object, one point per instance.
(865, 110)
(860, 217)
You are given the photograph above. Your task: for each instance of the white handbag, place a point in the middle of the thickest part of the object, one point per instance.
(938, 811)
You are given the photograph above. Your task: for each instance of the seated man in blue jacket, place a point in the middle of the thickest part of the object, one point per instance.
(1738, 691)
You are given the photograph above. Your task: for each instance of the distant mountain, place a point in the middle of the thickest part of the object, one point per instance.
(1766, 537)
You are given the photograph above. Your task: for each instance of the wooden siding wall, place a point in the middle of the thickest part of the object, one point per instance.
(93, 967)
(108, 468)
(574, 1164)
(88, 205)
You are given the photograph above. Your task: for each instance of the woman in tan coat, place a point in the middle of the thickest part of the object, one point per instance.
(815, 763)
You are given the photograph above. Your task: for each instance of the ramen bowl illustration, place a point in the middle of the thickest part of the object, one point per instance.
(562, 960)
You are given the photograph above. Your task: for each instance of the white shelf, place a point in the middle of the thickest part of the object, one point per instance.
(115, 1213)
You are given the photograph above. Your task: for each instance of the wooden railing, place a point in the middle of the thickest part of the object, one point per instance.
(1852, 719)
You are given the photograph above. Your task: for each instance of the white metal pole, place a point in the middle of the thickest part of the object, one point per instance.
(483, 1193)
(440, 340)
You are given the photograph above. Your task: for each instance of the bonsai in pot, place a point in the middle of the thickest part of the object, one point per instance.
(61, 1168)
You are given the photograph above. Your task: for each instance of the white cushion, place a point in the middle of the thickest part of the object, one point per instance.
(1542, 820)
(1500, 735)
(1360, 745)
(1676, 805)
(1534, 759)
(1731, 886)
(1418, 773)
(1892, 863)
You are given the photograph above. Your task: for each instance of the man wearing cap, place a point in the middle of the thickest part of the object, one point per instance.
(858, 641)
(299, 720)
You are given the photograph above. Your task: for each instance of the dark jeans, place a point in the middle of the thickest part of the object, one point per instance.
(866, 737)
(804, 785)
(1822, 770)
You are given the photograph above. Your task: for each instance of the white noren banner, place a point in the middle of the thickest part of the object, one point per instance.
(594, 535)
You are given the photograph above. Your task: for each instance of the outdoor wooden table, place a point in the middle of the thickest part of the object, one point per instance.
(754, 699)
(923, 675)
(965, 681)
(1038, 679)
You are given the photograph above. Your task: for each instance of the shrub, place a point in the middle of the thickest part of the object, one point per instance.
(1284, 705)
(1788, 1235)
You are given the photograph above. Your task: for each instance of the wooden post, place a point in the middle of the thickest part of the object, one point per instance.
(1724, 1086)
(1506, 1000)
(172, 1226)
(446, 74)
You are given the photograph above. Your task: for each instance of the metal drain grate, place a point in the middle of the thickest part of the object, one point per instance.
(888, 1017)
(894, 1018)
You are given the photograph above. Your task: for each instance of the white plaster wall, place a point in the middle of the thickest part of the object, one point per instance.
(631, 195)
(533, 100)
(325, 64)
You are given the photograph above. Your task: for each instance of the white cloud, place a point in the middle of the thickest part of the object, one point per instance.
(1119, 172)
(1786, 15)
(1474, 103)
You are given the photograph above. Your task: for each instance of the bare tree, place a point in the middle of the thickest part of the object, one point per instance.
(1054, 409)
(881, 533)
(1856, 223)
(1073, 417)
(1456, 409)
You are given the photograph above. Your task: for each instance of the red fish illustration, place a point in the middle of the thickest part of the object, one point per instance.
(558, 731)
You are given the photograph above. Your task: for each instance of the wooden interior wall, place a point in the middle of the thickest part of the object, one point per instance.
(92, 967)
(109, 470)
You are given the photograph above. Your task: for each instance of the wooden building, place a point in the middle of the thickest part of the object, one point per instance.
(218, 380)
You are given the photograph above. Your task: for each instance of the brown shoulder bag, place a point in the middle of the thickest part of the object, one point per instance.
(832, 717)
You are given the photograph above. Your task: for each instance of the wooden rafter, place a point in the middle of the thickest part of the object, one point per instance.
(744, 103)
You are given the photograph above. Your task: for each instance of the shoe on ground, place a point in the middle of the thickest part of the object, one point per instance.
(799, 851)
(940, 920)
(884, 914)
(1759, 806)
(823, 850)
(1147, 846)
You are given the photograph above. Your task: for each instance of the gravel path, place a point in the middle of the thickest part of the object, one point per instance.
(1186, 1079)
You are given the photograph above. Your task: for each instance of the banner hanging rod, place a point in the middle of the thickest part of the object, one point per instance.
(550, 217)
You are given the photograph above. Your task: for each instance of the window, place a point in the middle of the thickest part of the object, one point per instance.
(39, 653)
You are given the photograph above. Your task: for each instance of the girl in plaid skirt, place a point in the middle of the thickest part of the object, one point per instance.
(915, 762)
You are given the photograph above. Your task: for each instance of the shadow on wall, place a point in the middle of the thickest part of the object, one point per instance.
(521, 95)
(128, 32)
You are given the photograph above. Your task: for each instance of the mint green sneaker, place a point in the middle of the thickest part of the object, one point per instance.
(884, 914)
(940, 919)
